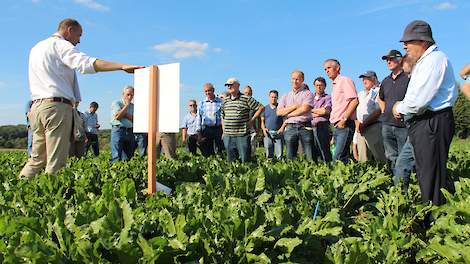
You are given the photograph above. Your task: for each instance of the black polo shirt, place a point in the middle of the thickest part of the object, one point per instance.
(390, 92)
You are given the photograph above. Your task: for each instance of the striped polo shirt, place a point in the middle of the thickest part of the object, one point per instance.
(236, 113)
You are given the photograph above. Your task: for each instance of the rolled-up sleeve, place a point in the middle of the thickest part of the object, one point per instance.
(74, 59)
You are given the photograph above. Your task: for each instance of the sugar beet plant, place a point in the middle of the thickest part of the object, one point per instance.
(220, 212)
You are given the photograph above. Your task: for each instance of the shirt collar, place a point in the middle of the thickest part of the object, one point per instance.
(337, 78)
(302, 87)
(57, 35)
(427, 52)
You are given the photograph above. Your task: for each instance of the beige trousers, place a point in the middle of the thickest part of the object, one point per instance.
(51, 124)
(167, 142)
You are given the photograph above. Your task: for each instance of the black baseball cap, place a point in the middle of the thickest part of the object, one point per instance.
(392, 54)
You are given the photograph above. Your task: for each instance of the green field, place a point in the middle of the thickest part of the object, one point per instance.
(220, 212)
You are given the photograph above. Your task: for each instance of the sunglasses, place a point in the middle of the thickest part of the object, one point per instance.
(191, 105)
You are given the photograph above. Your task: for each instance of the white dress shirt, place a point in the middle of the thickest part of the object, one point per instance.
(432, 84)
(52, 65)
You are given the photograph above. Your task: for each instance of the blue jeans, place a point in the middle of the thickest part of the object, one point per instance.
(273, 144)
(141, 143)
(30, 142)
(321, 135)
(292, 135)
(343, 138)
(404, 164)
(394, 139)
(122, 144)
(238, 146)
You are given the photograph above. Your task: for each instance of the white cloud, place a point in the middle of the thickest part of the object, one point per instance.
(92, 4)
(445, 6)
(180, 49)
(217, 50)
(388, 6)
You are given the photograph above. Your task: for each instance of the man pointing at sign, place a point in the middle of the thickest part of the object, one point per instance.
(54, 89)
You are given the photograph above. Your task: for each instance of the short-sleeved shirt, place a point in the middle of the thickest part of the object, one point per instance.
(321, 101)
(91, 120)
(344, 91)
(295, 97)
(271, 120)
(391, 91)
(367, 103)
(190, 123)
(236, 113)
(116, 106)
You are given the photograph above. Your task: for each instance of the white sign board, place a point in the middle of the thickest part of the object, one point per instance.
(169, 95)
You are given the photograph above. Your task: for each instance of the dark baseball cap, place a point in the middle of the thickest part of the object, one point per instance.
(392, 54)
(417, 30)
(368, 74)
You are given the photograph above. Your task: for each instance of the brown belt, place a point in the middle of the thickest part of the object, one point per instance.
(53, 99)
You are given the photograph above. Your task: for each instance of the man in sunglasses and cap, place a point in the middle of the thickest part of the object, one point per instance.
(393, 89)
(427, 107)
(236, 121)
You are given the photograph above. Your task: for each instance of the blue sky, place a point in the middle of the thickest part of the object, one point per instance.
(259, 42)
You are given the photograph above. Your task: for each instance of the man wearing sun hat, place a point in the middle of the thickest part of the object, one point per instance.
(236, 121)
(427, 107)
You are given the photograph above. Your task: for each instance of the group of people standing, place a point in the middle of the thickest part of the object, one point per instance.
(406, 119)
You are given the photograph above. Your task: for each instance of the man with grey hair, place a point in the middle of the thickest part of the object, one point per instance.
(368, 122)
(122, 117)
(344, 102)
(189, 128)
(427, 108)
(54, 89)
(209, 122)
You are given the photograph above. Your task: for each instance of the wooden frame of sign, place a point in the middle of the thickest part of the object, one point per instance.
(152, 129)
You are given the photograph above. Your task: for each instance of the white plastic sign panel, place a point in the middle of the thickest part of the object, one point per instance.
(169, 95)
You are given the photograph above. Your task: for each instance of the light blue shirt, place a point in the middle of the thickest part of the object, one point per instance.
(116, 106)
(432, 84)
(190, 123)
(91, 120)
(209, 113)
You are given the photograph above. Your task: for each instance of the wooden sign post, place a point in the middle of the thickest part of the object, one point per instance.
(152, 129)
(151, 84)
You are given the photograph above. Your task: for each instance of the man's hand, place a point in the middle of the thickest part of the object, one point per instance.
(361, 128)
(250, 123)
(183, 141)
(341, 124)
(395, 112)
(265, 132)
(130, 68)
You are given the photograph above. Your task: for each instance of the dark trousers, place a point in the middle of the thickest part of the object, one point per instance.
(321, 136)
(192, 144)
(122, 143)
(212, 136)
(431, 135)
(93, 143)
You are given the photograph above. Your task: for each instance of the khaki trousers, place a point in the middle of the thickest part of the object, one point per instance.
(51, 124)
(167, 142)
